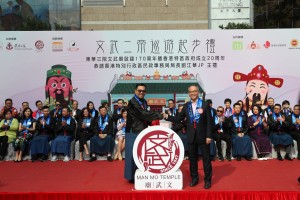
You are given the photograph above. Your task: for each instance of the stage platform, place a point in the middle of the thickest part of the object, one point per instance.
(245, 180)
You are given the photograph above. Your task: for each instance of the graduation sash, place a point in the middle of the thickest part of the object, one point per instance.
(217, 122)
(239, 122)
(194, 118)
(143, 105)
(27, 123)
(93, 112)
(124, 127)
(294, 120)
(228, 112)
(101, 125)
(87, 122)
(173, 111)
(259, 125)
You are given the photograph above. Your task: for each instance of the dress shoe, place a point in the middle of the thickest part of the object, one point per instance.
(207, 185)
(109, 159)
(131, 181)
(212, 158)
(93, 158)
(1, 158)
(287, 157)
(238, 158)
(228, 157)
(279, 157)
(194, 182)
(221, 158)
(44, 157)
(248, 158)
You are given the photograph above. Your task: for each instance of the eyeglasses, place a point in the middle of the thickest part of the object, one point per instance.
(57, 105)
(220, 111)
(194, 91)
(141, 91)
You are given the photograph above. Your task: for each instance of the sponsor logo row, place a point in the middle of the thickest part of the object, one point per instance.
(57, 46)
(253, 45)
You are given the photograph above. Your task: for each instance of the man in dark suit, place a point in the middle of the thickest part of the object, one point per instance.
(76, 112)
(198, 118)
(117, 112)
(220, 132)
(138, 118)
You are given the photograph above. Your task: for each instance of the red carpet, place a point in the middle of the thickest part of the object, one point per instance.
(270, 179)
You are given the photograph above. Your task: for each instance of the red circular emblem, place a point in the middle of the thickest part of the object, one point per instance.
(39, 44)
(158, 150)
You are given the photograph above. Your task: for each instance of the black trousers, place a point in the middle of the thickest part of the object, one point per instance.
(193, 157)
(227, 139)
(3, 145)
(296, 136)
(83, 138)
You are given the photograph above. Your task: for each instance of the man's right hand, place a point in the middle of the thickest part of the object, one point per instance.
(165, 116)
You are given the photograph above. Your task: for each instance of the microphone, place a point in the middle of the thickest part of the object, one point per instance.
(299, 179)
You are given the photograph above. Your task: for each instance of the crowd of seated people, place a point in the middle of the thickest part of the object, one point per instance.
(266, 126)
(43, 132)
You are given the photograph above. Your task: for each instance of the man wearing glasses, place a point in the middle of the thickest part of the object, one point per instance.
(220, 132)
(56, 112)
(198, 117)
(138, 118)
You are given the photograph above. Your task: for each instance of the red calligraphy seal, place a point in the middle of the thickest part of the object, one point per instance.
(158, 150)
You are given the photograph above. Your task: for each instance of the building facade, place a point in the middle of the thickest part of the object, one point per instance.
(144, 14)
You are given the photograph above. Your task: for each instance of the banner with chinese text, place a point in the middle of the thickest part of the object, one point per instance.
(238, 64)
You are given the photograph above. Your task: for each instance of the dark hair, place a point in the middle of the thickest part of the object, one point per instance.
(87, 105)
(271, 98)
(258, 107)
(45, 107)
(74, 101)
(65, 107)
(297, 105)
(209, 101)
(121, 100)
(6, 111)
(240, 101)
(236, 104)
(82, 111)
(25, 102)
(25, 111)
(8, 100)
(140, 84)
(277, 104)
(227, 100)
(123, 110)
(285, 102)
(38, 101)
(100, 107)
(171, 100)
(104, 103)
